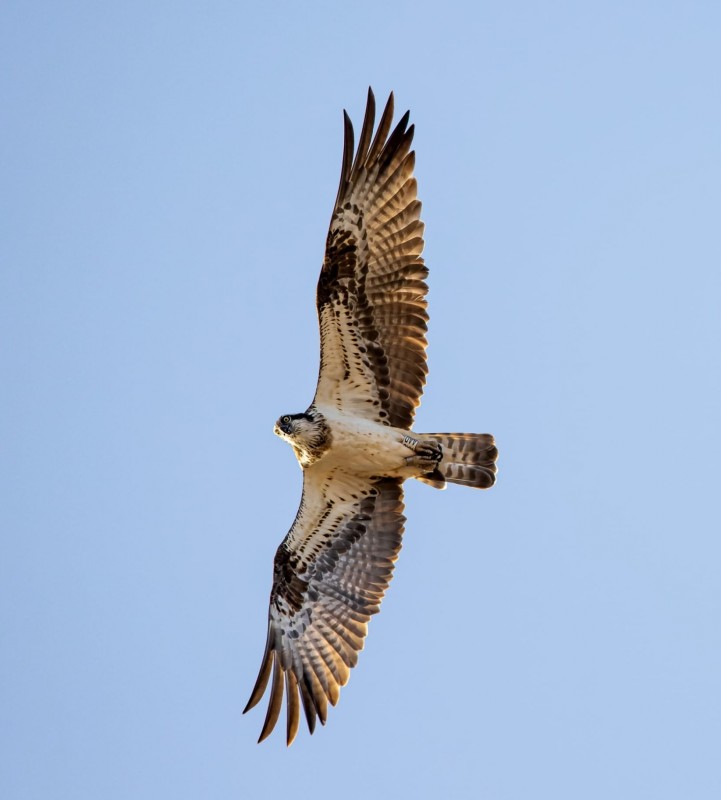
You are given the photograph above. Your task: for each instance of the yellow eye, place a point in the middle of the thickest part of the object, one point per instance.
(285, 420)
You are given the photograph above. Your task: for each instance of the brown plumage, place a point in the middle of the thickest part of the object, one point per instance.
(374, 272)
(317, 624)
(354, 442)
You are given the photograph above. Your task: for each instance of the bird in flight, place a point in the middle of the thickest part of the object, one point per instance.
(355, 442)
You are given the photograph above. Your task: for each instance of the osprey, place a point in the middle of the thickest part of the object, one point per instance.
(355, 444)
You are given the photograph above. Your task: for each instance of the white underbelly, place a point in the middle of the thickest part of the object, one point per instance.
(364, 446)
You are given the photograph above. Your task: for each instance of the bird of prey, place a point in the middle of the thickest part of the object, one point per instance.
(355, 442)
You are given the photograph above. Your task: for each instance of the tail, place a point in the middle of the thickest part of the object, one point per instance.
(468, 459)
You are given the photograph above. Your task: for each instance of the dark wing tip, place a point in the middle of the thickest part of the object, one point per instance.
(399, 140)
(382, 132)
(293, 707)
(276, 700)
(263, 675)
(365, 136)
(348, 147)
(308, 704)
(381, 147)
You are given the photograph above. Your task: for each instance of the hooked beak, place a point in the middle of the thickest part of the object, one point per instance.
(281, 429)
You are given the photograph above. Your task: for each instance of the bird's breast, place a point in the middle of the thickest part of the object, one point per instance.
(362, 445)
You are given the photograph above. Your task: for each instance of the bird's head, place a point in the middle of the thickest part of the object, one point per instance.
(307, 433)
(296, 427)
(287, 426)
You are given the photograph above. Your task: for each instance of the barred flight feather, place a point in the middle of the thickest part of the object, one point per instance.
(316, 632)
(373, 266)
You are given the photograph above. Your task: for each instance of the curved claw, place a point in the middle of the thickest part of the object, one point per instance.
(427, 454)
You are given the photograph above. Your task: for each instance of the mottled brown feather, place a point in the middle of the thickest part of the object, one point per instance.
(330, 574)
(371, 294)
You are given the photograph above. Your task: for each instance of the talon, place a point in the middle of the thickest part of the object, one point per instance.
(427, 455)
(430, 450)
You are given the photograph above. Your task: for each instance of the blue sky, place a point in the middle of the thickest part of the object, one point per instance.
(168, 172)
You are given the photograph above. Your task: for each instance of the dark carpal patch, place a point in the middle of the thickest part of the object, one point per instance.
(286, 583)
(339, 264)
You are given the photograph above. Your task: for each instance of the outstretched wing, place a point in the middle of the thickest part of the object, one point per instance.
(371, 292)
(330, 574)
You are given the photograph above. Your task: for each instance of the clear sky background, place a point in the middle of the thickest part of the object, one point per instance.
(168, 173)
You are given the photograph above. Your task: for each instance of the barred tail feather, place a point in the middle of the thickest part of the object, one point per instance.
(469, 459)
